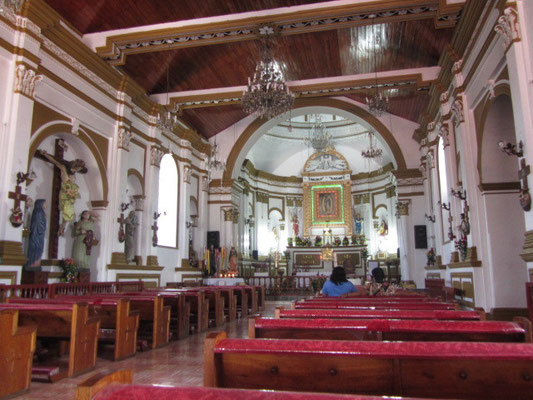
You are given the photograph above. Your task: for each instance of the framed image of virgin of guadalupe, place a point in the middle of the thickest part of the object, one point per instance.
(327, 202)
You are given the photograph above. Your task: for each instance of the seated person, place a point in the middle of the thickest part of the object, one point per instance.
(337, 284)
(378, 274)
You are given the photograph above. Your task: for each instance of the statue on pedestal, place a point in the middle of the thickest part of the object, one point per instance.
(37, 232)
(83, 240)
(131, 224)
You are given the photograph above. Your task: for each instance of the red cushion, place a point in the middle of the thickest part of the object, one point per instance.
(386, 306)
(137, 392)
(413, 314)
(402, 350)
(393, 325)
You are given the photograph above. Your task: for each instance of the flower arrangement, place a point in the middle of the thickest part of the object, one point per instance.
(354, 239)
(364, 253)
(318, 241)
(461, 246)
(317, 283)
(290, 242)
(337, 241)
(362, 239)
(298, 241)
(306, 242)
(70, 270)
(345, 241)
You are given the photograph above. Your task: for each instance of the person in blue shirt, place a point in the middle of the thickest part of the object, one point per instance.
(337, 284)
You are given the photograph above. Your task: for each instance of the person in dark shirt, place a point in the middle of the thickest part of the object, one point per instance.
(378, 274)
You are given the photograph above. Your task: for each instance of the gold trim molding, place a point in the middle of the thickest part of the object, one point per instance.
(527, 249)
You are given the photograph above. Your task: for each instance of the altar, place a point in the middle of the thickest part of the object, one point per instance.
(311, 260)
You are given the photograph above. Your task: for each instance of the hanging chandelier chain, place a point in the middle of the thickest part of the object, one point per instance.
(377, 104)
(266, 93)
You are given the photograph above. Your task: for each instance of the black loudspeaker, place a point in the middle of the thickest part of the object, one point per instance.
(255, 254)
(421, 239)
(213, 238)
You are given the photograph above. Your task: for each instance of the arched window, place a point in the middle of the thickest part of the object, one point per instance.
(168, 202)
(443, 181)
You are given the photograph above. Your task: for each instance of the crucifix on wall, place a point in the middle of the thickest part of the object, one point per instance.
(65, 191)
(16, 216)
(525, 197)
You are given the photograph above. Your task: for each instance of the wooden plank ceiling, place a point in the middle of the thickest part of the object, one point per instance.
(356, 50)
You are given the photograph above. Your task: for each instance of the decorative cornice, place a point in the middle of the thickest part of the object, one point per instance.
(457, 112)
(235, 215)
(156, 154)
(228, 214)
(444, 133)
(457, 66)
(402, 208)
(508, 27)
(124, 138)
(290, 21)
(187, 172)
(26, 80)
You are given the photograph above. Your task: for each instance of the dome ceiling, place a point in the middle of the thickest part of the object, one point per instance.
(284, 149)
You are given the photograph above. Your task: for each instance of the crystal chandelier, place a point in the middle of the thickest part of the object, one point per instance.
(214, 163)
(377, 104)
(267, 94)
(167, 119)
(372, 152)
(14, 5)
(320, 139)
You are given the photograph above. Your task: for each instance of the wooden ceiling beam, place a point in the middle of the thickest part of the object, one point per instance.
(284, 21)
(420, 78)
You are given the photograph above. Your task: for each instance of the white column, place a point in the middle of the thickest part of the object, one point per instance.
(407, 260)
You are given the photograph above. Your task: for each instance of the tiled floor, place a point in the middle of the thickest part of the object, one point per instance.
(178, 364)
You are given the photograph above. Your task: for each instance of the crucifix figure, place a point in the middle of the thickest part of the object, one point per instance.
(121, 234)
(154, 236)
(525, 197)
(16, 217)
(122, 221)
(65, 191)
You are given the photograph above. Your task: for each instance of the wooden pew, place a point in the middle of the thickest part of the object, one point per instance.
(529, 296)
(230, 302)
(118, 385)
(280, 312)
(242, 299)
(69, 322)
(343, 305)
(118, 324)
(180, 310)
(17, 345)
(391, 330)
(466, 370)
(154, 316)
(261, 297)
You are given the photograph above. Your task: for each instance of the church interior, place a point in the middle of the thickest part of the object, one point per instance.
(222, 158)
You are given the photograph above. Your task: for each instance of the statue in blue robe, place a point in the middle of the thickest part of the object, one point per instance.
(37, 232)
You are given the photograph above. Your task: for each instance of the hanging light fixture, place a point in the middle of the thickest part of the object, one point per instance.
(372, 152)
(266, 93)
(378, 103)
(14, 5)
(319, 138)
(214, 163)
(167, 119)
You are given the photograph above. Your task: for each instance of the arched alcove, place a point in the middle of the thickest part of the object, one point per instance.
(502, 216)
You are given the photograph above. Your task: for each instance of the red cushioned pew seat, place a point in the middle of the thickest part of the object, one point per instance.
(117, 386)
(390, 329)
(380, 314)
(466, 370)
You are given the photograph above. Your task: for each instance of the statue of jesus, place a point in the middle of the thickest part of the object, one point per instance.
(69, 190)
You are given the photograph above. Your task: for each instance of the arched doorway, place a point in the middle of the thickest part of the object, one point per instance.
(503, 217)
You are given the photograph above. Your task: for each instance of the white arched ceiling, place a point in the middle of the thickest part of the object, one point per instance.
(282, 151)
